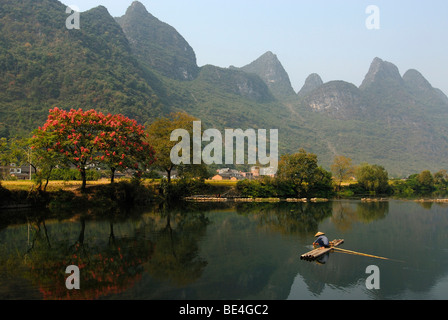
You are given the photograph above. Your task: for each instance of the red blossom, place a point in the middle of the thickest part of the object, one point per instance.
(86, 137)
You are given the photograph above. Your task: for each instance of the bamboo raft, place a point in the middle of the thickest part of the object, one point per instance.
(316, 253)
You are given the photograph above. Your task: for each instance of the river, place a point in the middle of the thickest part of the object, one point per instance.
(228, 251)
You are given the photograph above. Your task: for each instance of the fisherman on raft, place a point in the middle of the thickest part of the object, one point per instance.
(321, 241)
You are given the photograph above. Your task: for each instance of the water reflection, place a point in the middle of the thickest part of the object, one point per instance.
(107, 267)
(303, 219)
(345, 213)
(161, 242)
(298, 219)
(323, 259)
(223, 251)
(176, 256)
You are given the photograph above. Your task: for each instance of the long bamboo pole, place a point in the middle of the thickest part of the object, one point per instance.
(362, 254)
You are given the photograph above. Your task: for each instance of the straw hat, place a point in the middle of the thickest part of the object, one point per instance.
(319, 234)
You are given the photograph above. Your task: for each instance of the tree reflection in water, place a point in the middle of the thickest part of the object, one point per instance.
(106, 268)
(176, 255)
(162, 241)
(345, 214)
(162, 251)
(301, 219)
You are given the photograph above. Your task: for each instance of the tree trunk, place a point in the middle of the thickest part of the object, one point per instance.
(111, 235)
(168, 171)
(112, 175)
(48, 179)
(46, 184)
(35, 169)
(82, 232)
(84, 179)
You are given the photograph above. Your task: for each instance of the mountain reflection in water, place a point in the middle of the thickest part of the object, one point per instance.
(200, 251)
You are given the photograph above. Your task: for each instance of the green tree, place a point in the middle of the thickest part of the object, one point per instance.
(15, 150)
(45, 157)
(193, 171)
(426, 180)
(5, 157)
(373, 178)
(342, 169)
(159, 133)
(301, 170)
(441, 179)
(322, 183)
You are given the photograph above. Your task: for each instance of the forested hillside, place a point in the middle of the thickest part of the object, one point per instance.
(143, 68)
(43, 64)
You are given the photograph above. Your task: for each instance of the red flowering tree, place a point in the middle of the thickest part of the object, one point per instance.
(87, 138)
(123, 145)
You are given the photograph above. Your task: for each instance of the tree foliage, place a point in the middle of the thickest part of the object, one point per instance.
(299, 175)
(88, 138)
(342, 169)
(373, 178)
(304, 174)
(426, 180)
(423, 183)
(159, 133)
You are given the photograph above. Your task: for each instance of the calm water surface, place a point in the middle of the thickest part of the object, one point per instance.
(227, 251)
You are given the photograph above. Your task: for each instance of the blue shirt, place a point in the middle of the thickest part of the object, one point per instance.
(322, 241)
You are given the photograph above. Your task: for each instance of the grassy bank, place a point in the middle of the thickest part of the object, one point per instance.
(67, 194)
(28, 185)
(101, 195)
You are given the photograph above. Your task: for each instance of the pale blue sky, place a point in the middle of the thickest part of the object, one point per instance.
(328, 37)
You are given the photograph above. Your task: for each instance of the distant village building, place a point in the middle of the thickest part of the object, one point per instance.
(255, 171)
(248, 175)
(259, 172)
(220, 177)
(228, 174)
(18, 172)
(235, 175)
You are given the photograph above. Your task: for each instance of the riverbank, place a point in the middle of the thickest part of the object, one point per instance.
(102, 195)
(61, 195)
(75, 186)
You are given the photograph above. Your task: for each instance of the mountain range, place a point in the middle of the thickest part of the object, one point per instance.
(142, 67)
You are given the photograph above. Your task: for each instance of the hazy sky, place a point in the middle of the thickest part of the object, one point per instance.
(328, 37)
